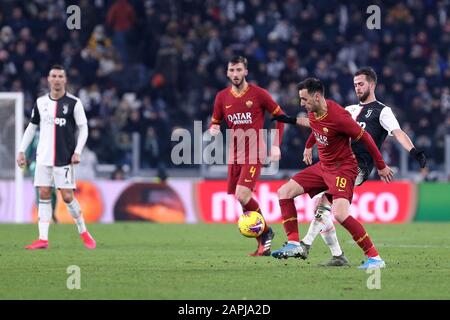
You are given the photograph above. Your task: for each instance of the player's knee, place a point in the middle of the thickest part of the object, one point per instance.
(243, 197)
(340, 211)
(45, 193)
(67, 197)
(286, 192)
(340, 216)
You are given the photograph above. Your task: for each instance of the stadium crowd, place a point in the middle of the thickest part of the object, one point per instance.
(153, 66)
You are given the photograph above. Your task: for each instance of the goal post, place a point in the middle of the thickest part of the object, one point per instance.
(11, 126)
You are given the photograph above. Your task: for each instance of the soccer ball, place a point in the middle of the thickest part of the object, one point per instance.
(251, 224)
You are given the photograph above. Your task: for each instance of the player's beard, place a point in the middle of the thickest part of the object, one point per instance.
(364, 96)
(237, 83)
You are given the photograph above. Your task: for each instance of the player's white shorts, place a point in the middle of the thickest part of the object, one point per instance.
(59, 177)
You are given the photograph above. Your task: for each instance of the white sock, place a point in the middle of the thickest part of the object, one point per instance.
(75, 211)
(313, 231)
(317, 224)
(329, 234)
(44, 214)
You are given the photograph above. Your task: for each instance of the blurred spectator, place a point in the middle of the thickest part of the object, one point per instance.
(121, 18)
(172, 56)
(86, 169)
(118, 174)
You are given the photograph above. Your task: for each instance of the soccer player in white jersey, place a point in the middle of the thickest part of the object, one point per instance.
(379, 121)
(59, 115)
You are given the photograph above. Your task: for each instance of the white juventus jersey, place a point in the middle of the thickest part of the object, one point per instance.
(379, 121)
(58, 121)
(376, 113)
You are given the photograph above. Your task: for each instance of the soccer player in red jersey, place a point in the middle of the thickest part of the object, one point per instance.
(243, 106)
(336, 171)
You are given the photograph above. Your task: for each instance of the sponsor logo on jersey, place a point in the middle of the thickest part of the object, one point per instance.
(249, 103)
(240, 118)
(57, 121)
(60, 122)
(322, 139)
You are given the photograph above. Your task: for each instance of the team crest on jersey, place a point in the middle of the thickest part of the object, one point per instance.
(65, 108)
(249, 103)
(369, 112)
(325, 129)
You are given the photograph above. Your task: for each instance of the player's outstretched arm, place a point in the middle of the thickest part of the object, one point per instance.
(301, 121)
(406, 143)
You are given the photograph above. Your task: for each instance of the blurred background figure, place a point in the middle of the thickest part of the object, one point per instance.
(170, 55)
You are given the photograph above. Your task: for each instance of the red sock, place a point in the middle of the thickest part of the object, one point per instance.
(289, 214)
(360, 236)
(252, 205)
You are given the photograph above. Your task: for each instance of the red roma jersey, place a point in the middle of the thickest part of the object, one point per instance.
(245, 111)
(333, 131)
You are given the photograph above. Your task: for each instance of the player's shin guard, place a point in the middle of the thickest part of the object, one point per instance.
(252, 205)
(45, 215)
(289, 215)
(360, 236)
(75, 211)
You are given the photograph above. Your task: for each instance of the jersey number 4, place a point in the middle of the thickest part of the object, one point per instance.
(252, 170)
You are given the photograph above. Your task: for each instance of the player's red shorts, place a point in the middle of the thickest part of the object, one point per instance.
(338, 182)
(242, 174)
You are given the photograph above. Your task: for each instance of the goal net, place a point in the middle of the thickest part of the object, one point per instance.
(11, 176)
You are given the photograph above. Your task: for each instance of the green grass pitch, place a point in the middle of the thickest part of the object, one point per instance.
(155, 261)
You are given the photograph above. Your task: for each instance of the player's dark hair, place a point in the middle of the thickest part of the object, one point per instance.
(313, 85)
(57, 67)
(370, 74)
(239, 59)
